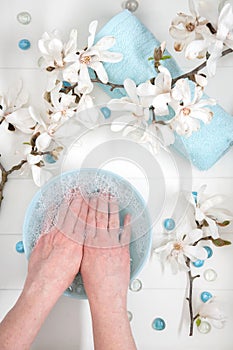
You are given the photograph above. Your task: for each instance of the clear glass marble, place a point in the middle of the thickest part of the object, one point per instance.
(204, 327)
(131, 5)
(24, 17)
(135, 285)
(210, 275)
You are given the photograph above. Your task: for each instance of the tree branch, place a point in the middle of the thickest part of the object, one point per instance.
(5, 174)
(190, 297)
(197, 69)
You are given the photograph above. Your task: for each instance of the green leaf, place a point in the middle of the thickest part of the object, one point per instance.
(26, 143)
(224, 223)
(219, 242)
(166, 57)
(198, 322)
(151, 59)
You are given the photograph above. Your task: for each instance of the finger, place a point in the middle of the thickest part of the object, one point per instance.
(80, 225)
(102, 212)
(71, 216)
(126, 234)
(114, 222)
(91, 221)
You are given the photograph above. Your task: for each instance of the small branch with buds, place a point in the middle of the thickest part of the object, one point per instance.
(5, 173)
(190, 297)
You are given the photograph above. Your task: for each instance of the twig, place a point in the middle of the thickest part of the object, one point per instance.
(190, 297)
(5, 174)
(197, 69)
(112, 85)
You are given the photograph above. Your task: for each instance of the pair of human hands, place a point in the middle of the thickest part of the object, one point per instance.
(86, 239)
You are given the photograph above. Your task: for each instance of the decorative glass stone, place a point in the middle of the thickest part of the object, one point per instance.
(49, 159)
(158, 324)
(19, 247)
(135, 285)
(40, 61)
(106, 112)
(209, 251)
(24, 17)
(24, 44)
(198, 263)
(195, 196)
(66, 84)
(205, 296)
(204, 327)
(70, 289)
(169, 224)
(130, 5)
(210, 275)
(130, 315)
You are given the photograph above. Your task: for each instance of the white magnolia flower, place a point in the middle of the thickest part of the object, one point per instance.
(54, 53)
(214, 41)
(39, 174)
(135, 114)
(208, 209)
(179, 249)
(91, 57)
(158, 135)
(13, 111)
(211, 310)
(189, 108)
(62, 106)
(186, 28)
(158, 94)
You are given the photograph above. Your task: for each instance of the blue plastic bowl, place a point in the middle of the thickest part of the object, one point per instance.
(50, 196)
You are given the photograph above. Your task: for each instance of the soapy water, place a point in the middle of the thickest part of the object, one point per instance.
(43, 212)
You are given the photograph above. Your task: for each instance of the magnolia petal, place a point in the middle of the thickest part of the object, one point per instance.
(131, 90)
(109, 56)
(193, 236)
(43, 141)
(22, 120)
(168, 137)
(178, 34)
(194, 48)
(32, 160)
(100, 71)
(72, 43)
(146, 89)
(225, 21)
(121, 122)
(202, 114)
(92, 30)
(211, 309)
(195, 252)
(220, 214)
(40, 176)
(122, 105)
(105, 43)
(213, 228)
(211, 201)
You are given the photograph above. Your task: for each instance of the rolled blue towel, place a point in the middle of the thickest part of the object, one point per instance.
(137, 44)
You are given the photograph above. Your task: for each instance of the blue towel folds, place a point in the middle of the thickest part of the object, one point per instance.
(137, 43)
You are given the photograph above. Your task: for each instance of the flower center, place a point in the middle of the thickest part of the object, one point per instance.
(190, 27)
(178, 246)
(186, 111)
(86, 60)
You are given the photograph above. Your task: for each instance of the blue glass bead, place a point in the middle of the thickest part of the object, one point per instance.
(195, 196)
(106, 112)
(158, 324)
(19, 247)
(66, 84)
(24, 44)
(49, 159)
(209, 251)
(169, 224)
(205, 296)
(198, 263)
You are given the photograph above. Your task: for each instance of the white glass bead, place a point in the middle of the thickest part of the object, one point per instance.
(135, 285)
(204, 327)
(210, 275)
(24, 17)
(130, 5)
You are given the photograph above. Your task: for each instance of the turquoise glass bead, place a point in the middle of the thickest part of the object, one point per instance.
(209, 251)
(24, 44)
(205, 296)
(49, 159)
(158, 324)
(195, 196)
(19, 247)
(198, 263)
(66, 84)
(169, 224)
(106, 112)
